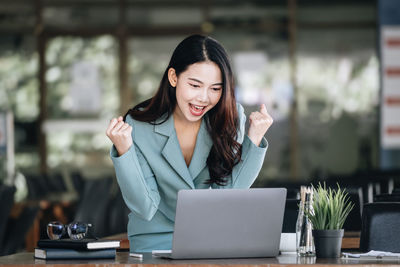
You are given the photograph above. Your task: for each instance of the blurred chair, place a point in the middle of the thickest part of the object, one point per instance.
(38, 186)
(78, 183)
(396, 190)
(94, 203)
(394, 197)
(292, 187)
(353, 221)
(118, 214)
(7, 201)
(290, 215)
(380, 227)
(56, 183)
(17, 228)
(293, 193)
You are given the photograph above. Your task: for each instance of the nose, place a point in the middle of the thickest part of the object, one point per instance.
(203, 95)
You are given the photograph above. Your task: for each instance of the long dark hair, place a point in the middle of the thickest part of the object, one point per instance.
(222, 120)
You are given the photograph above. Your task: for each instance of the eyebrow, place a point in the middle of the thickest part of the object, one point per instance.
(193, 79)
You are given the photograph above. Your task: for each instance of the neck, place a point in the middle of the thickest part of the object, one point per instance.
(181, 121)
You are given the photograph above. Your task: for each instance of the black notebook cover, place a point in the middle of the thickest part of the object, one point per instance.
(83, 244)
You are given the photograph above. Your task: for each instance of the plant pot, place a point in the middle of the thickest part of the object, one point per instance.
(328, 243)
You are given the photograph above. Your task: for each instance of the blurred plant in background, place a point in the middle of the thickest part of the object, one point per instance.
(338, 100)
(19, 92)
(347, 84)
(19, 86)
(80, 149)
(62, 54)
(333, 93)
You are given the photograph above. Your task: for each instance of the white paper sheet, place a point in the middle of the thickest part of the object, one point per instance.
(373, 254)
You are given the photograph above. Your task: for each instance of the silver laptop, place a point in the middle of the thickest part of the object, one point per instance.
(227, 223)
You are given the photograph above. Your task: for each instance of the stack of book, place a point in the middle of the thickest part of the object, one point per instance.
(76, 249)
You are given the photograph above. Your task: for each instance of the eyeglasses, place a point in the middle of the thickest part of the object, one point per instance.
(75, 230)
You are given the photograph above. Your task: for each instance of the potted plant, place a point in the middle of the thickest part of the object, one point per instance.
(330, 210)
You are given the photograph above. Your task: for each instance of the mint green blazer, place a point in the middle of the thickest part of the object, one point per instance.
(152, 172)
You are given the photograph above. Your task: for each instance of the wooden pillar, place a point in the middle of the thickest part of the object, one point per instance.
(206, 27)
(41, 49)
(33, 235)
(125, 95)
(292, 30)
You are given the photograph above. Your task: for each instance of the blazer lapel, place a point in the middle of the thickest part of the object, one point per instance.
(201, 151)
(172, 150)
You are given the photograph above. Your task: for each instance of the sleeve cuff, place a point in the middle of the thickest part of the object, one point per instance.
(120, 160)
(262, 147)
(114, 152)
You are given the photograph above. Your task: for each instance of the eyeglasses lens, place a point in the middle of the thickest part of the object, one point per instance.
(55, 230)
(77, 230)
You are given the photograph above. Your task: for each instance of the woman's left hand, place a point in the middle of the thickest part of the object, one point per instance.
(260, 121)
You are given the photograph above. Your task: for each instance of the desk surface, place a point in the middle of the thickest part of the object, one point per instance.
(123, 259)
(351, 240)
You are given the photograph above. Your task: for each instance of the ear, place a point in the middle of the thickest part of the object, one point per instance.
(172, 78)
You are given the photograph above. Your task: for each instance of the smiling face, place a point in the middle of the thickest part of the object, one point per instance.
(198, 89)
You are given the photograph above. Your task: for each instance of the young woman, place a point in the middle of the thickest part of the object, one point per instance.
(189, 135)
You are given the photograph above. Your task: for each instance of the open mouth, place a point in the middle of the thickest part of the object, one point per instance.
(197, 110)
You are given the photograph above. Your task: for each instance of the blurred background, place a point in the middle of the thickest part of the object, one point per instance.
(325, 69)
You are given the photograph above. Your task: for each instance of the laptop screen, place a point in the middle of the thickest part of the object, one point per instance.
(228, 223)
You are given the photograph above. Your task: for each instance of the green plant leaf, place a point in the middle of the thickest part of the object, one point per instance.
(330, 207)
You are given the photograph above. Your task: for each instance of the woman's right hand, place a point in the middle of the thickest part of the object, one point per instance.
(120, 133)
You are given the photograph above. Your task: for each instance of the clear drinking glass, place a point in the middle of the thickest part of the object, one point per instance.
(306, 242)
(300, 216)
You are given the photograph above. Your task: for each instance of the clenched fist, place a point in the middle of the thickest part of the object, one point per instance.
(260, 121)
(120, 133)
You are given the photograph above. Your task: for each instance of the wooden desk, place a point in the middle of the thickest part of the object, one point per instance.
(351, 240)
(123, 259)
(123, 237)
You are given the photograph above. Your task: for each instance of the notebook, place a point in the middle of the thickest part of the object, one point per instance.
(227, 223)
(83, 244)
(63, 253)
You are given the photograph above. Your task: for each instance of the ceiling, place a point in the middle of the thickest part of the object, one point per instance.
(316, 20)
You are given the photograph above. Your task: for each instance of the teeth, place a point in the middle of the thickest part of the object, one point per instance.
(198, 107)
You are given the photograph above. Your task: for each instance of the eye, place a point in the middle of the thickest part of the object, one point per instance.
(216, 88)
(194, 85)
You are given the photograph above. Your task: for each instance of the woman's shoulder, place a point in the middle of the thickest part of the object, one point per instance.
(242, 122)
(239, 108)
(132, 121)
(240, 111)
(139, 126)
